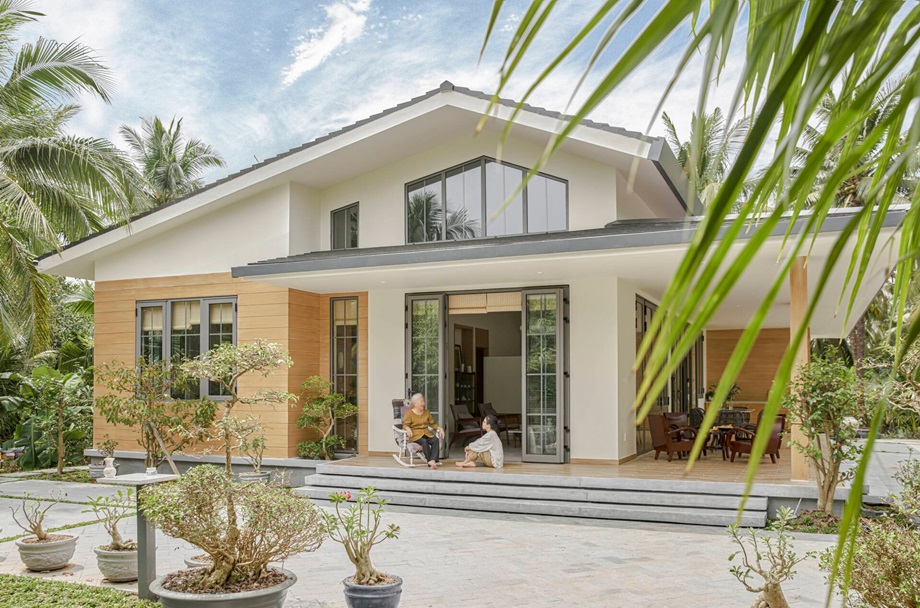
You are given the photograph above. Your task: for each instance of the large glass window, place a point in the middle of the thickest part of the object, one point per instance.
(482, 198)
(344, 362)
(189, 327)
(345, 227)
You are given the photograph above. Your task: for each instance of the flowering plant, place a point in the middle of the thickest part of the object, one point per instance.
(358, 529)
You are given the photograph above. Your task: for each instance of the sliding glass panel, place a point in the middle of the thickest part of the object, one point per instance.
(185, 340)
(151, 333)
(501, 182)
(464, 202)
(543, 399)
(425, 350)
(345, 363)
(425, 214)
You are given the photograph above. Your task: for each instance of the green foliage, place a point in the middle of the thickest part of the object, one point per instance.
(907, 501)
(359, 529)
(171, 164)
(29, 591)
(322, 407)
(773, 560)
(137, 397)
(57, 414)
(226, 364)
(811, 522)
(885, 562)
(109, 510)
(241, 526)
(821, 398)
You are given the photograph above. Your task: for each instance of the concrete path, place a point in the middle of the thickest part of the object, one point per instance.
(449, 560)
(76, 492)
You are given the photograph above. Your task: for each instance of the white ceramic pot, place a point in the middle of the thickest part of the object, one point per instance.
(109, 471)
(191, 562)
(273, 597)
(117, 566)
(41, 557)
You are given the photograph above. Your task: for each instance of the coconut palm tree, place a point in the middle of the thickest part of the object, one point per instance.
(171, 163)
(710, 151)
(54, 187)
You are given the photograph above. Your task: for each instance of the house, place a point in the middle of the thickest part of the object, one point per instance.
(386, 257)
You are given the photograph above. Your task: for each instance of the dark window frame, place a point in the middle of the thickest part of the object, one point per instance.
(333, 376)
(482, 160)
(205, 311)
(356, 206)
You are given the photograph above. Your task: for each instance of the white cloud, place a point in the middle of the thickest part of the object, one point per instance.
(346, 24)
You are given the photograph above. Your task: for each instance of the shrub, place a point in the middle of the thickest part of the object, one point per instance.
(358, 530)
(242, 527)
(886, 560)
(821, 398)
(773, 560)
(907, 502)
(137, 399)
(321, 409)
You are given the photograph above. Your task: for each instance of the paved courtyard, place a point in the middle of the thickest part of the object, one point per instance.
(492, 560)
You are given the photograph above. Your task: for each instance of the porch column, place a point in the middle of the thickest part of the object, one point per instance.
(798, 303)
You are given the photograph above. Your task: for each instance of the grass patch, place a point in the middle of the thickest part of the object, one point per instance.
(78, 476)
(812, 522)
(28, 592)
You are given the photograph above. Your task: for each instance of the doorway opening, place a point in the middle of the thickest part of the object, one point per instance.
(497, 352)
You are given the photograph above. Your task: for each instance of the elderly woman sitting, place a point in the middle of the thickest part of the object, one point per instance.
(487, 449)
(419, 422)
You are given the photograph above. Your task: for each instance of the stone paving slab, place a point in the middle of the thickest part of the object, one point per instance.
(76, 492)
(449, 560)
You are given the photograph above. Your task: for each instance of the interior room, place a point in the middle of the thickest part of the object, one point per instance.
(484, 359)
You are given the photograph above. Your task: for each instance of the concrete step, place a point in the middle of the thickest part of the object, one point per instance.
(537, 492)
(578, 509)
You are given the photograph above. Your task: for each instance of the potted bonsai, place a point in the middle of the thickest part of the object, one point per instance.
(358, 529)
(42, 551)
(242, 527)
(107, 449)
(252, 447)
(321, 409)
(117, 560)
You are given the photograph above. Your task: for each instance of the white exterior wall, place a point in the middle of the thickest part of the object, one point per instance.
(386, 356)
(256, 228)
(625, 377)
(382, 197)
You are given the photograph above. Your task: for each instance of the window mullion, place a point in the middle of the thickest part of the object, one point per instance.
(203, 338)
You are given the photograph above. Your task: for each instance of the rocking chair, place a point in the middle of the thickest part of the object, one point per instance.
(408, 451)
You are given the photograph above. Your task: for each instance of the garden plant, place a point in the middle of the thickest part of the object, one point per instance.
(773, 560)
(359, 529)
(241, 526)
(117, 559)
(821, 399)
(225, 365)
(42, 550)
(322, 408)
(136, 397)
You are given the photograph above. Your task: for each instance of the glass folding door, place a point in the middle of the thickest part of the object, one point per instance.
(425, 352)
(543, 375)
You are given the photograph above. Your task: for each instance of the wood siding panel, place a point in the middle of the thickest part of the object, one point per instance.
(758, 372)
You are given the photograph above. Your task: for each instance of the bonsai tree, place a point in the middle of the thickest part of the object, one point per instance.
(242, 527)
(771, 559)
(321, 409)
(225, 365)
(33, 514)
(253, 448)
(358, 529)
(107, 447)
(139, 397)
(57, 409)
(109, 510)
(821, 398)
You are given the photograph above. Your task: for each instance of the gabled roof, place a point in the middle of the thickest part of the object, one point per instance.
(659, 154)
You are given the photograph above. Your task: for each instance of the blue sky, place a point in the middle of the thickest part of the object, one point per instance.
(257, 78)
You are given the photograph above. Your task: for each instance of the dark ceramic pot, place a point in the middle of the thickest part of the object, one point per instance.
(373, 596)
